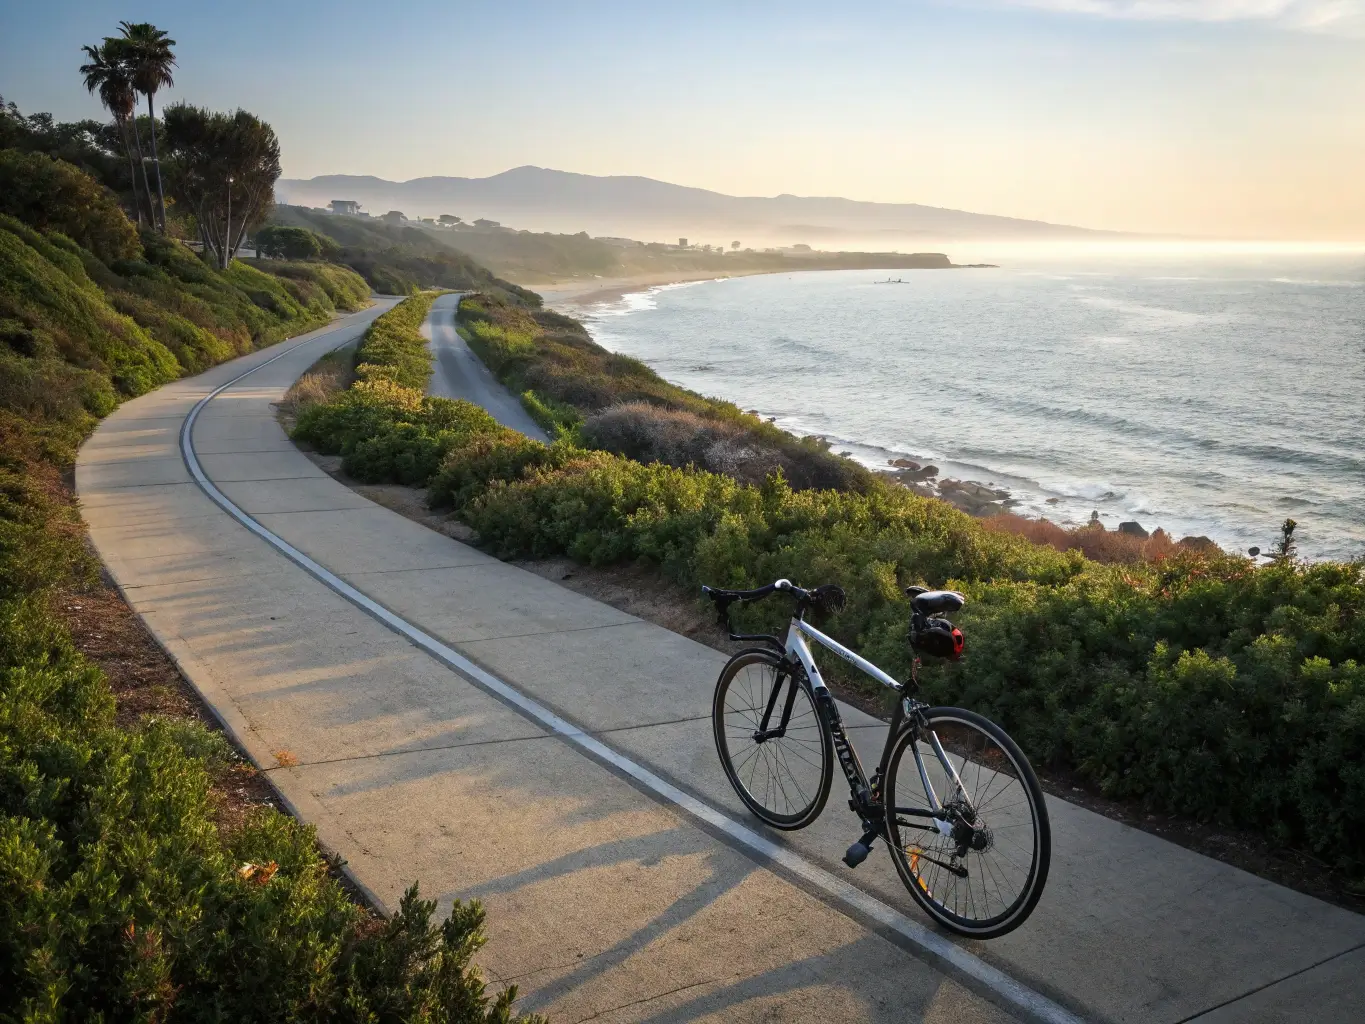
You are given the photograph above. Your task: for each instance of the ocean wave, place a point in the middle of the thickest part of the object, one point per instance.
(1318, 284)
(785, 344)
(1138, 429)
(1115, 395)
(639, 302)
(1142, 316)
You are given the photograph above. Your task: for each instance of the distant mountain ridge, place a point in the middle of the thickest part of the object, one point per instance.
(541, 199)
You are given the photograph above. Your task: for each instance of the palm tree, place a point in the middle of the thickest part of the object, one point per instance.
(107, 75)
(149, 59)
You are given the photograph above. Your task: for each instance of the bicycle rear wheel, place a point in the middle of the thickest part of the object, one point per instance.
(782, 774)
(985, 876)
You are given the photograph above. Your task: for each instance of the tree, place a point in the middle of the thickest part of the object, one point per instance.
(107, 74)
(734, 245)
(286, 243)
(53, 195)
(149, 58)
(224, 169)
(394, 217)
(448, 219)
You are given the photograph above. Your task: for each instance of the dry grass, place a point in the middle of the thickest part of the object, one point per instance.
(1094, 541)
(652, 433)
(329, 376)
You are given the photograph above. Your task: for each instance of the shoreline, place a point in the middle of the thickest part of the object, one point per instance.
(979, 498)
(579, 292)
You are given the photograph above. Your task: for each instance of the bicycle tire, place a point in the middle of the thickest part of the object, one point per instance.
(925, 858)
(787, 761)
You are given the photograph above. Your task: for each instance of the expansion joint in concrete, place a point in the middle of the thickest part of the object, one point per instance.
(1269, 984)
(407, 751)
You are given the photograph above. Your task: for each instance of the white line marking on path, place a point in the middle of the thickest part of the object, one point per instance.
(1014, 995)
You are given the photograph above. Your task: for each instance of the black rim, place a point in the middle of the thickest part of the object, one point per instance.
(783, 776)
(986, 872)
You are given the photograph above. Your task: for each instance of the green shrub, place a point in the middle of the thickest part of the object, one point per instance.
(393, 348)
(121, 898)
(389, 434)
(406, 453)
(555, 417)
(363, 411)
(288, 243)
(571, 378)
(384, 428)
(395, 259)
(484, 458)
(45, 290)
(1201, 685)
(53, 195)
(500, 347)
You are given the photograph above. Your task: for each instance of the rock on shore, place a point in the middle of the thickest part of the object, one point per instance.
(971, 497)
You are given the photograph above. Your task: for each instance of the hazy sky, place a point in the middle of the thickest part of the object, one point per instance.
(1232, 118)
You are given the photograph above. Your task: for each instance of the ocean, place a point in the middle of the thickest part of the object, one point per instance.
(1212, 395)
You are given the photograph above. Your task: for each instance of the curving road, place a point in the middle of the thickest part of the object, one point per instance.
(451, 718)
(459, 373)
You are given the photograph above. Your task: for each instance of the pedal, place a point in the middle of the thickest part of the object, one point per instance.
(857, 853)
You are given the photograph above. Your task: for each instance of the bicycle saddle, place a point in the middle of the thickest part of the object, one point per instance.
(932, 602)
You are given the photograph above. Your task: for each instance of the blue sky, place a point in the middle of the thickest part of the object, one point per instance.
(1232, 118)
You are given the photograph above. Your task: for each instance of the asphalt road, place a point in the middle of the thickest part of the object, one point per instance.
(459, 373)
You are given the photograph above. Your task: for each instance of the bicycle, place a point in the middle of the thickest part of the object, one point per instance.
(976, 860)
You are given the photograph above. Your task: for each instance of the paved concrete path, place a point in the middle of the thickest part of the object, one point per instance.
(605, 897)
(459, 373)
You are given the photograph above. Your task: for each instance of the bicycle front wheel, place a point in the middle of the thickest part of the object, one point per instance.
(980, 869)
(771, 739)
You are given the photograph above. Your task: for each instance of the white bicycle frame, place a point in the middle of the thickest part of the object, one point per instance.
(797, 647)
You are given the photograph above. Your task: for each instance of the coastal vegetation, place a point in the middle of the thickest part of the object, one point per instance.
(1194, 682)
(126, 892)
(537, 257)
(534, 257)
(383, 426)
(393, 258)
(612, 402)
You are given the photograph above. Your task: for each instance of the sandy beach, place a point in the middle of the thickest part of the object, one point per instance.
(575, 293)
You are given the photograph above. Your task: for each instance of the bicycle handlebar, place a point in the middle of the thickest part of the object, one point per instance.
(727, 596)
(828, 597)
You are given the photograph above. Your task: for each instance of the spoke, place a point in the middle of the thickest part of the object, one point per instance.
(998, 885)
(753, 766)
(795, 781)
(749, 756)
(817, 765)
(777, 757)
(753, 720)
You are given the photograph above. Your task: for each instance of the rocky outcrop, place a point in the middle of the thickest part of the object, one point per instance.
(1200, 543)
(974, 498)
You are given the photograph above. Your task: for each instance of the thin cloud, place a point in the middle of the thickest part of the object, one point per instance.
(1308, 15)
